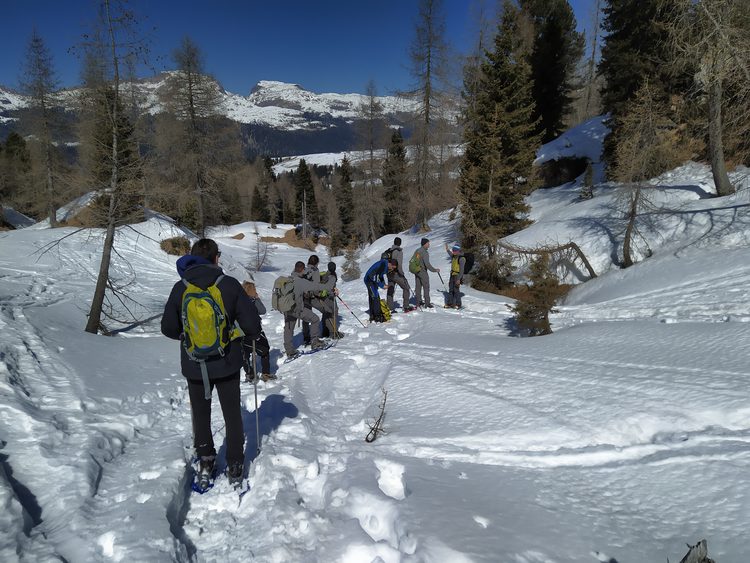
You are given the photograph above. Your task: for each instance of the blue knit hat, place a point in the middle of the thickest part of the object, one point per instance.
(456, 248)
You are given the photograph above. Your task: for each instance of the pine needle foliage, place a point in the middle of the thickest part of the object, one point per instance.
(501, 140)
(532, 313)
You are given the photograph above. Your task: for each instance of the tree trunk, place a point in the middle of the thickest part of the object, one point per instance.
(627, 259)
(716, 145)
(51, 211)
(95, 313)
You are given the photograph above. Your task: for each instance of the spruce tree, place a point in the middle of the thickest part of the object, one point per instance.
(306, 208)
(635, 50)
(344, 196)
(39, 83)
(557, 50)
(394, 183)
(532, 312)
(501, 140)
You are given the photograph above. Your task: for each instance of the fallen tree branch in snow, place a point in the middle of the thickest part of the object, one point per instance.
(376, 427)
(697, 553)
(560, 249)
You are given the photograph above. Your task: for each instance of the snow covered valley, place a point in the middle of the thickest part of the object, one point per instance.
(621, 437)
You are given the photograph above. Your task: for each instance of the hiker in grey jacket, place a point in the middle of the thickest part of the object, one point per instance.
(397, 277)
(303, 310)
(311, 273)
(422, 278)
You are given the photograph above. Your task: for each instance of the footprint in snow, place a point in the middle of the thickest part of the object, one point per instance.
(482, 521)
(391, 478)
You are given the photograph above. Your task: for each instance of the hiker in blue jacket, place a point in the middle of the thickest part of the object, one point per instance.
(201, 268)
(374, 279)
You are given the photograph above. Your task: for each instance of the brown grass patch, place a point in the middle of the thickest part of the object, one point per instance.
(176, 246)
(291, 238)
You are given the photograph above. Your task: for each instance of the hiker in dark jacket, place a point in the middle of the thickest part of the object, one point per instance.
(303, 310)
(398, 278)
(374, 279)
(458, 263)
(201, 268)
(422, 278)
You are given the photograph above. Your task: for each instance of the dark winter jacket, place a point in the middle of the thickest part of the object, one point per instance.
(377, 273)
(238, 307)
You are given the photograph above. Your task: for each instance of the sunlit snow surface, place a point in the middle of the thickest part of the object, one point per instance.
(624, 435)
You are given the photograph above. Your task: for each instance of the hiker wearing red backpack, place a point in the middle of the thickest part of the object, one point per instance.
(201, 312)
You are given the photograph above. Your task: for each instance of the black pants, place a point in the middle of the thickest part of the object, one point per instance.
(228, 390)
(376, 313)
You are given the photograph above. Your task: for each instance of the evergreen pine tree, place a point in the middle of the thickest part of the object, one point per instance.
(39, 82)
(500, 141)
(305, 192)
(260, 203)
(558, 48)
(394, 183)
(532, 313)
(635, 51)
(344, 195)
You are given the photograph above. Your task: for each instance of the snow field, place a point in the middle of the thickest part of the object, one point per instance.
(622, 436)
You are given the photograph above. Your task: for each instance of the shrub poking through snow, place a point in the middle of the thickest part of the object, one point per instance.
(177, 246)
(532, 313)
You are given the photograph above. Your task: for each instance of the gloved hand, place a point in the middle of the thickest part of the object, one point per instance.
(262, 348)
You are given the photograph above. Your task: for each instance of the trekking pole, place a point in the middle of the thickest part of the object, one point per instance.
(441, 281)
(352, 312)
(257, 418)
(335, 326)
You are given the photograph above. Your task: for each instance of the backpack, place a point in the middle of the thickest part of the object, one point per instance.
(469, 264)
(204, 321)
(387, 255)
(282, 298)
(415, 263)
(385, 310)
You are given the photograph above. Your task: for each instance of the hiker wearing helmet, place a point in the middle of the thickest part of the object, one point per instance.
(374, 279)
(202, 288)
(397, 277)
(458, 262)
(420, 266)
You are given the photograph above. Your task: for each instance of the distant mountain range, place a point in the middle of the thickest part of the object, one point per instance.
(276, 118)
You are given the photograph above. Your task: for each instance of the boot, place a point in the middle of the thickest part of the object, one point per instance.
(234, 473)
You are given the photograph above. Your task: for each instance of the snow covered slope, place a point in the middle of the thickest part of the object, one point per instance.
(620, 437)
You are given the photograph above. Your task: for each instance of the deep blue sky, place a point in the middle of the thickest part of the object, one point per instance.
(323, 45)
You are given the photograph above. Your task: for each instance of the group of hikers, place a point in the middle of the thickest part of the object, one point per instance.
(390, 267)
(217, 320)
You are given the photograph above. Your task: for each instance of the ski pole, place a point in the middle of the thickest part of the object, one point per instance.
(352, 312)
(441, 281)
(335, 326)
(257, 418)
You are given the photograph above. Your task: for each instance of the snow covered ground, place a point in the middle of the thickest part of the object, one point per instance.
(622, 436)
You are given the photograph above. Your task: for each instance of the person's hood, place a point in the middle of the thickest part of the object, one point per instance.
(202, 275)
(189, 261)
